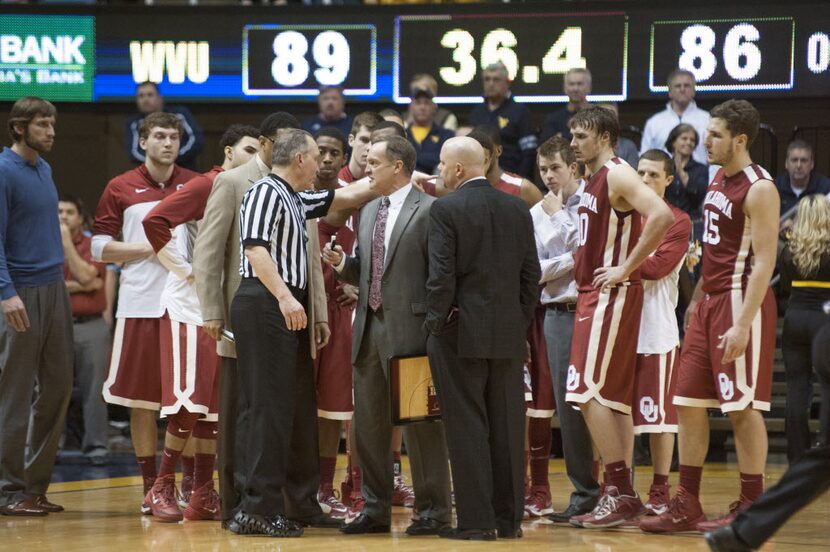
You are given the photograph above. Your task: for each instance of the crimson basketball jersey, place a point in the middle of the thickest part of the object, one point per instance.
(606, 236)
(510, 183)
(727, 249)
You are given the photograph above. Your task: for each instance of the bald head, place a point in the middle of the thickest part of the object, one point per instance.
(462, 158)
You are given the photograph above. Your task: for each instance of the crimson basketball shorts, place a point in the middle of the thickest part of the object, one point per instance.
(189, 370)
(542, 403)
(134, 378)
(604, 347)
(703, 380)
(333, 368)
(654, 381)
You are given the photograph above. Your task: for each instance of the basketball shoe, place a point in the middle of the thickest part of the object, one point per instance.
(162, 499)
(538, 502)
(658, 500)
(203, 504)
(684, 514)
(147, 485)
(613, 509)
(734, 509)
(330, 504)
(185, 489)
(402, 494)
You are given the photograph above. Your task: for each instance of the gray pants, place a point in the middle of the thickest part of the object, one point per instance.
(425, 441)
(35, 387)
(576, 440)
(92, 356)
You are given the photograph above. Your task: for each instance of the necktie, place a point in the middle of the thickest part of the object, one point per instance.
(378, 254)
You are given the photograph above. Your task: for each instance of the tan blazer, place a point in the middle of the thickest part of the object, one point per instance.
(216, 255)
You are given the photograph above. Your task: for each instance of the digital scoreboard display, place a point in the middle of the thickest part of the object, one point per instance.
(296, 60)
(100, 53)
(537, 50)
(725, 54)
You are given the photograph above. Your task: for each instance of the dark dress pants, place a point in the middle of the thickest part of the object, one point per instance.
(483, 409)
(276, 381)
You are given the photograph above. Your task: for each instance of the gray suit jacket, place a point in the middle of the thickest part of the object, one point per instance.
(216, 254)
(406, 267)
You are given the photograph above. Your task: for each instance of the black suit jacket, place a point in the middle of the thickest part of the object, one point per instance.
(482, 260)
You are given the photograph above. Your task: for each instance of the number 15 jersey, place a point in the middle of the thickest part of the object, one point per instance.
(606, 236)
(727, 239)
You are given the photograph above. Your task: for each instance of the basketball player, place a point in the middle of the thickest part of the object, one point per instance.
(659, 339)
(730, 341)
(189, 362)
(613, 242)
(360, 142)
(333, 368)
(134, 378)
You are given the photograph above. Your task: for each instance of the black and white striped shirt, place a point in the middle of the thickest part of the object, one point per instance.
(273, 215)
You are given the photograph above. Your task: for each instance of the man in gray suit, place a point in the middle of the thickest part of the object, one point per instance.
(216, 260)
(390, 266)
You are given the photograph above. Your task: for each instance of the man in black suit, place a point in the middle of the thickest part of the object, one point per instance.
(390, 268)
(482, 290)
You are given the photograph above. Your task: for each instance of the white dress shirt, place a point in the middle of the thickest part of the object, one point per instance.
(396, 200)
(557, 237)
(659, 125)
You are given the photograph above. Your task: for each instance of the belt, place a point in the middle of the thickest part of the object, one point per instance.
(810, 284)
(561, 307)
(82, 318)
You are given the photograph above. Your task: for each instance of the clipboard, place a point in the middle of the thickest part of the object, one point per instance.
(412, 391)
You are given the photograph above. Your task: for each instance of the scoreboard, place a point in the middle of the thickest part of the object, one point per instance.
(233, 54)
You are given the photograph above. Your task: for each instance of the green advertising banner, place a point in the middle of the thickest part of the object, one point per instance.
(50, 56)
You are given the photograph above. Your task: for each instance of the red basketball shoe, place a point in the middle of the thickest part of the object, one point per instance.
(684, 514)
(203, 504)
(162, 499)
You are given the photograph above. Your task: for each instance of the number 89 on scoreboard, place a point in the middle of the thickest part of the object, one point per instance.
(296, 60)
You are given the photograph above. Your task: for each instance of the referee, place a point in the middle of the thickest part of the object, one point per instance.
(275, 375)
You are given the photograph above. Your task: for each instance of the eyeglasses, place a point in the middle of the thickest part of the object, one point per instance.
(272, 140)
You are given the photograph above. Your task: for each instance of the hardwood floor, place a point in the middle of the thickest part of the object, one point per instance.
(103, 515)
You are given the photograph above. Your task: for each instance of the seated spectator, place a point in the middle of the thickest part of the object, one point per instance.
(423, 132)
(691, 179)
(443, 117)
(577, 86)
(680, 109)
(148, 100)
(625, 148)
(512, 119)
(799, 179)
(332, 112)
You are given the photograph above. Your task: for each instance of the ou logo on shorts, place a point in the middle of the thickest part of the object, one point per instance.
(727, 388)
(648, 409)
(573, 378)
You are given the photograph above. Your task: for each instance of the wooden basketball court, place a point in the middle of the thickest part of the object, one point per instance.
(103, 515)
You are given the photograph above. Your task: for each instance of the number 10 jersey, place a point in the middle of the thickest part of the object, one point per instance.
(606, 236)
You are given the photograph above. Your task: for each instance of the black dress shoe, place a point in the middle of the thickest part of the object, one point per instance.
(570, 511)
(726, 540)
(468, 534)
(272, 526)
(320, 521)
(425, 526)
(511, 534)
(364, 525)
